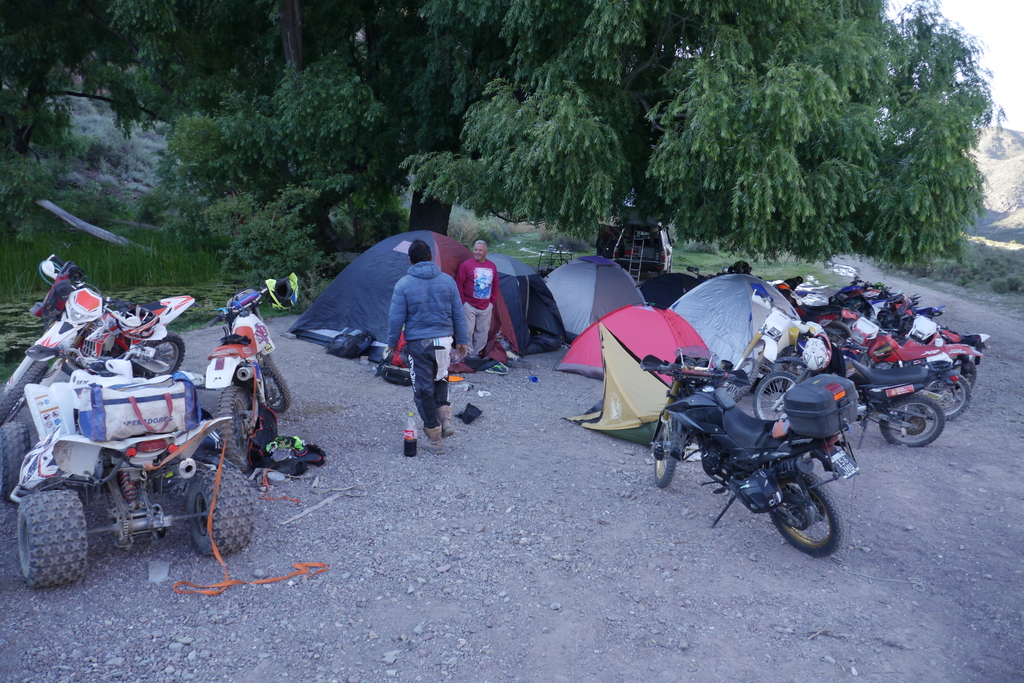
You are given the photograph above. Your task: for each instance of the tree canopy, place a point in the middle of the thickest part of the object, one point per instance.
(811, 127)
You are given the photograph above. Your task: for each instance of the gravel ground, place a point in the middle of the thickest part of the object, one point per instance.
(535, 550)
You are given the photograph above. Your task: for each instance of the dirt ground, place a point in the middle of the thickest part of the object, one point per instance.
(535, 550)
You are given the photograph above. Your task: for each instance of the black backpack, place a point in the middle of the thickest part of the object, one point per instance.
(350, 343)
(286, 454)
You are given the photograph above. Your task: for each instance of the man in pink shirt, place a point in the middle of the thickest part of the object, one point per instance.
(477, 279)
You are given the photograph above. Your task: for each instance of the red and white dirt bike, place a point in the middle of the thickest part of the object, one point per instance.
(77, 316)
(242, 369)
(69, 467)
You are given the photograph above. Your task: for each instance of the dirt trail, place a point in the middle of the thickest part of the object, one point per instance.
(535, 550)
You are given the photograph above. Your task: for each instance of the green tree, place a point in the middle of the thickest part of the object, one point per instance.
(811, 127)
(52, 52)
(330, 96)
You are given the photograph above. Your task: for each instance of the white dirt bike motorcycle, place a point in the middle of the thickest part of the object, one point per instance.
(68, 468)
(79, 317)
(770, 346)
(242, 369)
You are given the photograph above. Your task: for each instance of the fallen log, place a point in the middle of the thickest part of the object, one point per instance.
(78, 224)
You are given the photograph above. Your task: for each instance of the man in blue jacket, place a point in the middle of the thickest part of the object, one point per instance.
(427, 302)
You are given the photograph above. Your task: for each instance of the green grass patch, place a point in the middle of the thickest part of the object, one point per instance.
(109, 267)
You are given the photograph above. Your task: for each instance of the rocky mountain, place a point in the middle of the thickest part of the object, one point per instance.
(1000, 156)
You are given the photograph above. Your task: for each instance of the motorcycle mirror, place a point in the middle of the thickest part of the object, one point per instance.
(40, 352)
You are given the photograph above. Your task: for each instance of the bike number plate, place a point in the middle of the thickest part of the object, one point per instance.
(844, 464)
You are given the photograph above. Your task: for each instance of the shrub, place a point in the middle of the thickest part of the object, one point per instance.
(699, 247)
(269, 240)
(1007, 285)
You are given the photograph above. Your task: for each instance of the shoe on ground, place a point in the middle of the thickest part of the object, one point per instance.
(498, 369)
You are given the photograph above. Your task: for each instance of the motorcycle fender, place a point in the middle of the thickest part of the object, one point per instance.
(38, 466)
(75, 454)
(173, 307)
(221, 371)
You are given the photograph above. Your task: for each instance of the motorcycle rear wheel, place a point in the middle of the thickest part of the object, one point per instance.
(924, 417)
(279, 397)
(170, 352)
(665, 467)
(232, 517)
(236, 403)
(14, 394)
(52, 541)
(825, 536)
(953, 399)
(15, 442)
(768, 395)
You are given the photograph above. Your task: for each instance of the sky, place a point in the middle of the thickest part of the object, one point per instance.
(999, 25)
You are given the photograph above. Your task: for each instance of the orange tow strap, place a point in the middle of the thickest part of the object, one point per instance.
(301, 568)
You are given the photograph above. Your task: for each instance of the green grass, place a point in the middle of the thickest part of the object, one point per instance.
(158, 262)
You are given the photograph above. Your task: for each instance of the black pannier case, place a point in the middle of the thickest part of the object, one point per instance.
(816, 406)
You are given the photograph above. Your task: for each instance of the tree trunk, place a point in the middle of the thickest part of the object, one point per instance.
(428, 213)
(322, 220)
(291, 33)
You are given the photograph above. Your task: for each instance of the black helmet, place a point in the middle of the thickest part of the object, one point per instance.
(760, 492)
(740, 267)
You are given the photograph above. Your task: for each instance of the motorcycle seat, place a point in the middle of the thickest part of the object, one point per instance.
(811, 312)
(747, 431)
(912, 375)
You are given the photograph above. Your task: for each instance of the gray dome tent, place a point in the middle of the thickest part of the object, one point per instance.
(587, 288)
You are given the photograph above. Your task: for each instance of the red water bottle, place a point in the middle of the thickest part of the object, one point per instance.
(410, 436)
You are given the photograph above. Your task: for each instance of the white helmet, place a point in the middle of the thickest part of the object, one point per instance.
(816, 354)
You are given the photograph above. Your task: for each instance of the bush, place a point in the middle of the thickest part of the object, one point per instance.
(270, 240)
(1007, 285)
(698, 247)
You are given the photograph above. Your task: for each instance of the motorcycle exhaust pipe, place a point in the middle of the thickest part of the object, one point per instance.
(244, 373)
(187, 468)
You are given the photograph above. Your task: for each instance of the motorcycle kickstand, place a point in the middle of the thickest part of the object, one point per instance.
(724, 510)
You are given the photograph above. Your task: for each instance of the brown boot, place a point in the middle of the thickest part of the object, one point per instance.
(445, 413)
(433, 440)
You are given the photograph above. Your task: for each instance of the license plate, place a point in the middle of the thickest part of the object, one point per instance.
(844, 464)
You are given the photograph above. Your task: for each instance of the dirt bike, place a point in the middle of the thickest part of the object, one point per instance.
(774, 342)
(69, 468)
(242, 369)
(77, 316)
(768, 465)
(900, 400)
(925, 340)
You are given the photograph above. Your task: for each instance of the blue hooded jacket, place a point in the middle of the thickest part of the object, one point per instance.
(427, 302)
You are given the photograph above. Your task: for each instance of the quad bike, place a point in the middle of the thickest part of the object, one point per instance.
(242, 369)
(68, 469)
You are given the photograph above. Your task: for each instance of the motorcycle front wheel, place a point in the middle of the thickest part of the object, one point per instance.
(769, 394)
(824, 533)
(13, 395)
(912, 420)
(665, 465)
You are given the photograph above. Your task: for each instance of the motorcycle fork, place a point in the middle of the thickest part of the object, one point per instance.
(665, 419)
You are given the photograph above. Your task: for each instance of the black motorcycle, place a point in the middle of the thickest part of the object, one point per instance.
(768, 465)
(907, 403)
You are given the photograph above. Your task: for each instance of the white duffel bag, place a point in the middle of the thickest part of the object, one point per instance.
(111, 413)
